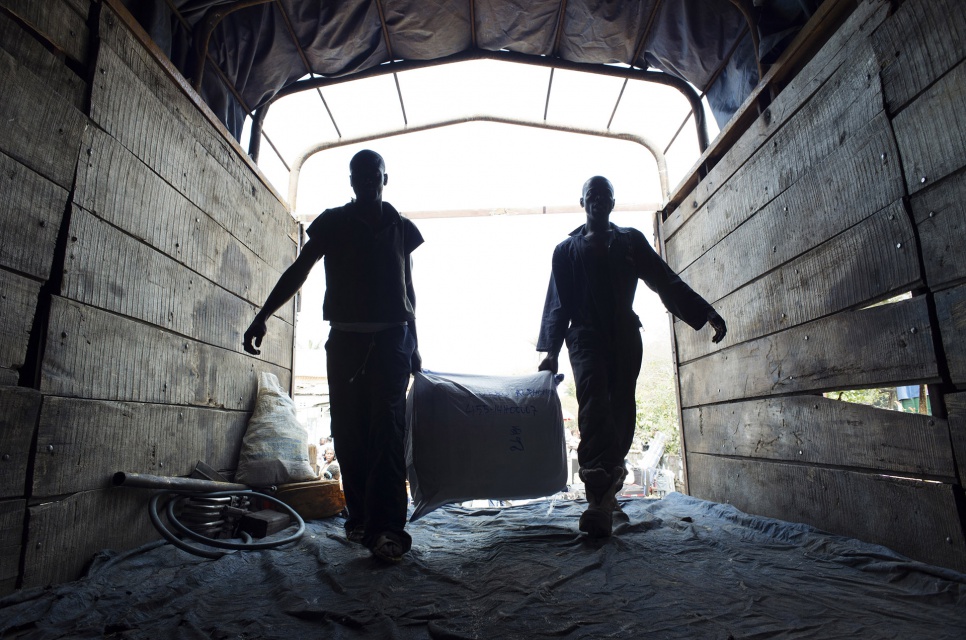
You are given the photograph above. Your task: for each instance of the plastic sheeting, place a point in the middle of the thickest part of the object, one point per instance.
(256, 51)
(483, 437)
(680, 568)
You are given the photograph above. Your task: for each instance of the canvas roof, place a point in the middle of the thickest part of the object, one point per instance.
(560, 63)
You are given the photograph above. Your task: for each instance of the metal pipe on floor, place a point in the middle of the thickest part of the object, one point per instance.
(147, 481)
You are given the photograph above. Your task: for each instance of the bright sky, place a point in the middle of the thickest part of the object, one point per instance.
(480, 282)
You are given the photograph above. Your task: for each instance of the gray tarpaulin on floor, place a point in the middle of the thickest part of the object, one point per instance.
(680, 568)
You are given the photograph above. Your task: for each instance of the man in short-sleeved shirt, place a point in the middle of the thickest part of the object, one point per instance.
(371, 350)
(589, 304)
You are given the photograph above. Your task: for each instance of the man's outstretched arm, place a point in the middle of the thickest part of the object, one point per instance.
(287, 286)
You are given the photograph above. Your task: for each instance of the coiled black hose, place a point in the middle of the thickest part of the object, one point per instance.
(248, 545)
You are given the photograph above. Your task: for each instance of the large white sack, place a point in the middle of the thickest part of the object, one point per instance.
(275, 449)
(483, 437)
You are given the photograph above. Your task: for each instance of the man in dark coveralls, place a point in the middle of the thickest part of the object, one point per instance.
(371, 350)
(589, 303)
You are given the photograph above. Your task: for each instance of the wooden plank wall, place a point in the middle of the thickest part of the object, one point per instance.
(135, 242)
(847, 190)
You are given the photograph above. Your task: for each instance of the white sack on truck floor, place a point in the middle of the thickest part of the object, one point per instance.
(474, 437)
(275, 449)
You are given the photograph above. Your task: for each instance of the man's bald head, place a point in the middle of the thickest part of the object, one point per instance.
(367, 175)
(597, 199)
(600, 182)
(366, 159)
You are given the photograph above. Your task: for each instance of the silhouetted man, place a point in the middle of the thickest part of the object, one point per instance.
(589, 304)
(371, 350)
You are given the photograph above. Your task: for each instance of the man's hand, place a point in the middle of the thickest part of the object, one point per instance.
(255, 332)
(718, 324)
(416, 362)
(548, 364)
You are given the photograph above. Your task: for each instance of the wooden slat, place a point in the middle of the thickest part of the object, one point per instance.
(858, 349)
(119, 188)
(130, 112)
(95, 354)
(19, 409)
(32, 210)
(956, 407)
(849, 186)
(18, 303)
(80, 7)
(918, 44)
(836, 60)
(120, 31)
(44, 64)
(82, 443)
(931, 131)
(11, 535)
(63, 536)
(816, 430)
(57, 21)
(109, 269)
(940, 213)
(41, 129)
(838, 126)
(917, 519)
(873, 259)
(951, 309)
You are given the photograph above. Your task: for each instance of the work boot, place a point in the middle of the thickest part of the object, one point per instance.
(602, 488)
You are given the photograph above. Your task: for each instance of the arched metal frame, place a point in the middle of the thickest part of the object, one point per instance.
(310, 151)
(658, 77)
(203, 31)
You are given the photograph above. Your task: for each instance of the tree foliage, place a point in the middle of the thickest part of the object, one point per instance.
(657, 409)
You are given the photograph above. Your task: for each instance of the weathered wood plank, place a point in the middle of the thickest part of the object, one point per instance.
(63, 536)
(857, 349)
(816, 430)
(853, 183)
(951, 311)
(12, 514)
(870, 507)
(57, 21)
(109, 269)
(82, 443)
(956, 408)
(119, 188)
(873, 259)
(47, 66)
(41, 129)
(121, 32)
(19, 410)
(838, 84)
(920, 42)
(95, 354)
(136, 117)
(854, 136)
(32, 211)
(931, 131)
(815, 46)
(940, 213)
(18, 303)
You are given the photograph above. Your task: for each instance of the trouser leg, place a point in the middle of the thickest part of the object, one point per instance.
(349, 411)
(607, 415)
(627, 367)
(605, 383)
(387, 378)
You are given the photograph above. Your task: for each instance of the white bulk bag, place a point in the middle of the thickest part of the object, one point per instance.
(275, 449)
(474, 437)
